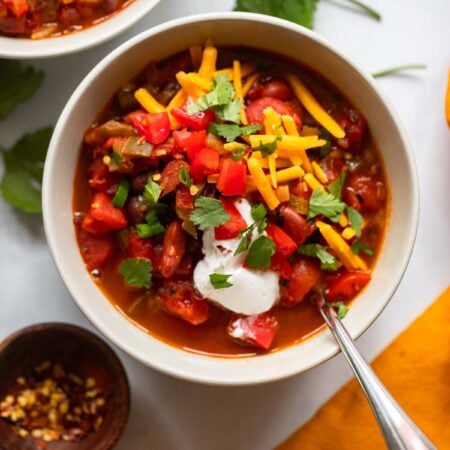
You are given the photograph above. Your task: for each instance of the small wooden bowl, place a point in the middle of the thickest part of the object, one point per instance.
(80, 352)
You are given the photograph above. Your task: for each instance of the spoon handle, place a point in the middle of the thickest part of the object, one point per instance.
(399, 431)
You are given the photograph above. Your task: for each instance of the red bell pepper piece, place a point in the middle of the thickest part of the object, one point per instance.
(232, 178)
(190, 141)
(258, 330)
(103, 216)
(234, 226)
(346, 285)
(155, 128)
(17, 7)
(198, 121)
(206, 162)
(285, 246)
(95, 250)
(255, 110)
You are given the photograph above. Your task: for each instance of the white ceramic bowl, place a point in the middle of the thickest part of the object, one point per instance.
(18, 48)
(231, 29)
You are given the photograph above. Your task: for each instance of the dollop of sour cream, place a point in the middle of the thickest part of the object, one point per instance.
(252, 291)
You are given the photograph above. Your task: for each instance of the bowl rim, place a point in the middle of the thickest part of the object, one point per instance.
(67, 44)
(257, 377)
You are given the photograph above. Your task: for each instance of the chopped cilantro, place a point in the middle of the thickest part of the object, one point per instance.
(260, 253)
(152, 227)
(327, 260)
(221, 94)
(137, 272)
(238, 153)
(121, 195)
(17, 84)
(208, 212)
(230, 112)
(358, 246)
(266, 149)
(326, 204)
(220, 280)
(152, 191)
(230, 131)
(246, 239)
(24, 164)
(341, 309)
(355, 219)
(335, 187)
(184, 176)
(326, 148)
(258, 212)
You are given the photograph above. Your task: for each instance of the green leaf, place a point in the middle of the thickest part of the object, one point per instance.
(326, 204)
(398, 69)
(335, 187)
(209, 212)
(358, 246)
(184, 176)
(137, 272)
(230, 112)
(152, 227)
(258, 212)
(355, 219)
(17, 84)
(298, 11)
(24, 164)
(266, 149)
(246, 239)
(327, 260)
(221, 93)
(121, 195)
(117, 158)
(260, 253)
(231, 131)
(238, 153)
(152, 191)
(220, 280)
(341, 309)
(326, 148)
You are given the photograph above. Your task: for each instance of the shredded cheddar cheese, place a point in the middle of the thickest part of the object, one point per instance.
(249, 83)
(189, 85)
(319, 173)
(177, 101)
(343, 220)
(246, 69)
(262, 183)
(273, 170)
(148, 102)
(291, 128)
(313, 182)
(314, 107)
(272, 122)
(237, 84)
(208, 64)
(283, 193)
(309, 131)
(195, 51)
(348, 233)
(289, 143)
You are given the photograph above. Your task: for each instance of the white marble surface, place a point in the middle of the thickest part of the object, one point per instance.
(170, 414)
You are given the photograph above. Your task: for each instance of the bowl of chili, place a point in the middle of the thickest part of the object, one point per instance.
(42, 29)
(219, 186)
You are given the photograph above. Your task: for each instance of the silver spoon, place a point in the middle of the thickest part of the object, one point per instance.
(399, 431)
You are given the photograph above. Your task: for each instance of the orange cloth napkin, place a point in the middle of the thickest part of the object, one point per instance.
(415, 368)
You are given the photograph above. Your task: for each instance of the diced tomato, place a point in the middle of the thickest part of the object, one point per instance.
(284, 244)
(363, 192)
(281, 265)
(332, 167)
(232, 178)
(13, 26)
(295, 225)
(180, 299)
(155, 128)
(184, 199)
(95, 250)
(174, 248)
(234, 226)
(170, 179)
(306, 274)
(17, 7)
(103, 216)
(354, 125)
(198, 121)
(346, 285)
(140, 247)
(206, 162)
(258, 330)
(255, 110)
(100, 178)
(190, 141)
(277, 89)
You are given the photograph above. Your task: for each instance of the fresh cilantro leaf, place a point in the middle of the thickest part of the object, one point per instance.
(298, 11)
(17, 84)
(230, 112)
(137, 272)
(221, 94)
(358, 246)
(220, 280)
(341, 309)
(327, 260)
(260, 253)
(121, 195)
(238, 153)
(209, 212)
(355, 219)
(326, 204)
(266, 149)
(231, 131)
(258, 212)
(152, 191)
(246, 239)
(152, 227)
(326, 148)
(335, 187)
(184, 176)
(24, 164)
